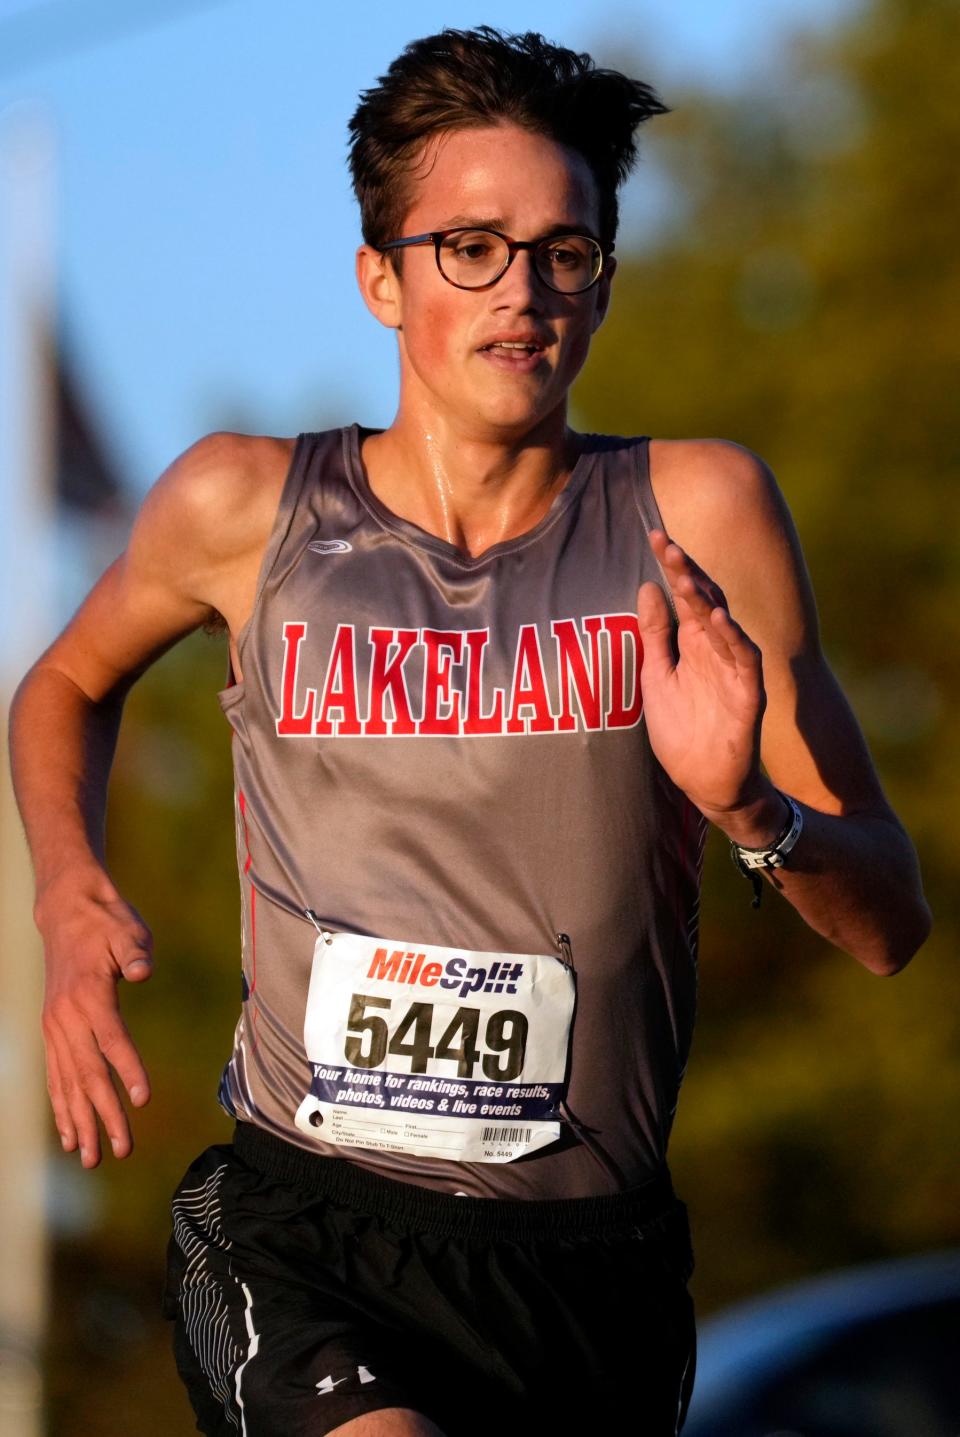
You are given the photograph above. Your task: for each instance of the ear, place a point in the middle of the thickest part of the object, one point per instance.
(380, 286)
(603, 292)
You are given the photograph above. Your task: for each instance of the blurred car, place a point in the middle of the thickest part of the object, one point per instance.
(865, 1352)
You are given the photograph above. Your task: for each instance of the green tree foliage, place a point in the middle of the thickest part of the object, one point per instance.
(805, 304)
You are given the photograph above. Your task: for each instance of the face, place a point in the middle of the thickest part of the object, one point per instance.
(501, 177)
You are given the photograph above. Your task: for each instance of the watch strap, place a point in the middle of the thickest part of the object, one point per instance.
(751, 861)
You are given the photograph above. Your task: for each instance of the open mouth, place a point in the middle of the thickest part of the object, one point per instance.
(511, 347)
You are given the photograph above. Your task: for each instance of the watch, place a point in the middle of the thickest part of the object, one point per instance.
(750, 861)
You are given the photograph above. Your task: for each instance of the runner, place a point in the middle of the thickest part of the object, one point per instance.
(484, 704)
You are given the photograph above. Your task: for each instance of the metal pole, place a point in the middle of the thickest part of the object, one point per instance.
(27, 458)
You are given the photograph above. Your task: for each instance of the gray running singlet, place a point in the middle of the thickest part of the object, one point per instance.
(450, 750)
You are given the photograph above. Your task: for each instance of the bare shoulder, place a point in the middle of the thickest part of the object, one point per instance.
(721, 502)
(207, 519)
(220, 494)
(192, 560)
(708, 490)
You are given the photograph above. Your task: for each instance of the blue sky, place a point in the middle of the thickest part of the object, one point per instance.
(205, 228)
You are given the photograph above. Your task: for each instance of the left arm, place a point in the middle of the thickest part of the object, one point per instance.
(751, 685)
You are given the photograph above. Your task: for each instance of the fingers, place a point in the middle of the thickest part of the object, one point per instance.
(92, 938)
(678, 566)
(656, 628)
(137, 970)
(61, 1112)
(114, 1041)
(72, 1106)
(93, 1095)
(732, 643)
(133, 951)
(78, 1046)
(700, 600)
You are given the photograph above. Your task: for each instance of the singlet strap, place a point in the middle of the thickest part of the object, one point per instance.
(648, 508)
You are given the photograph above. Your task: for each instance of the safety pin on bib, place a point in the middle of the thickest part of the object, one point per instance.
(327, 937)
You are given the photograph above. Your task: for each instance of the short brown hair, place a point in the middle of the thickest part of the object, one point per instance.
(461, 79)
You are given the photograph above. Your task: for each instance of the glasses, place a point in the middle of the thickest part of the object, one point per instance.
(476, 259)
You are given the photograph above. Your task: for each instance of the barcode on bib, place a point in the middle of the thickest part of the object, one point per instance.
(512, 1134)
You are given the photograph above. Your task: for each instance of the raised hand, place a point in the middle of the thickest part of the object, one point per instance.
(92, 939)
(703, 702)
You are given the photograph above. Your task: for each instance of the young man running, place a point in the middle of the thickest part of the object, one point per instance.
(484, 702)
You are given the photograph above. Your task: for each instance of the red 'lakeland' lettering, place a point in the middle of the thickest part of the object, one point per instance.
(624, 713)
(387, 677)
(475, 721)
(529, 686)
(443, 647)
(572, 665)
(340, 686)
(290, 723)
(594, 681)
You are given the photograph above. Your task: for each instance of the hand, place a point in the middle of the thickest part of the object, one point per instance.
(704, 707)
(92, 939)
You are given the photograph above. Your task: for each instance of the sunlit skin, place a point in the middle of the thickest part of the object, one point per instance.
(476, 454)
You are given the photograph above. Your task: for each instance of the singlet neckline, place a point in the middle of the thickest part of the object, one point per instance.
(421, 538)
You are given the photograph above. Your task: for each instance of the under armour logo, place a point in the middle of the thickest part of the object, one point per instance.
(328, 1383)
(330, 546)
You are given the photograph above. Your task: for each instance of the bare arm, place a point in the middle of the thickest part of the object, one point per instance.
(854, 874)
(175, 572)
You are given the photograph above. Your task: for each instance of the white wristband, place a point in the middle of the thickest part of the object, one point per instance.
(773, 855)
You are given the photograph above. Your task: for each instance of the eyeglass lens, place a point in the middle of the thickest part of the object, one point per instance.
(472, 258)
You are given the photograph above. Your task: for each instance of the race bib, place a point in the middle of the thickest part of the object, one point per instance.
(436, 1052)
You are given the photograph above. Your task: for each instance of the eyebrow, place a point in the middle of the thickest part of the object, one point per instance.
(497, 222)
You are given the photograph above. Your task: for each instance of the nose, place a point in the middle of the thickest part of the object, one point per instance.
(520, 285)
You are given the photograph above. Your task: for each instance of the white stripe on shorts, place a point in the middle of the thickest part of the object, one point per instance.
(203, 1304)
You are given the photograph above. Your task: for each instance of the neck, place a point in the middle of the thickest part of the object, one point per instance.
(469, 486)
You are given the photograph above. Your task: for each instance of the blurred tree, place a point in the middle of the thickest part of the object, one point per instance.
(805, 304)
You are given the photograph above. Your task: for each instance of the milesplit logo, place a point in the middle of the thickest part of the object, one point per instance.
(403, 967)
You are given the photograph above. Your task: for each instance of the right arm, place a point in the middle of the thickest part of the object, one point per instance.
(193, 540)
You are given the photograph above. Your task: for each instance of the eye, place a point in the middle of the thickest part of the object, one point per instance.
(471, 249)
(564, 256)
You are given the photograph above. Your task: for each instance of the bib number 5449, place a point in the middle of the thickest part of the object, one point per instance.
(369, 1039)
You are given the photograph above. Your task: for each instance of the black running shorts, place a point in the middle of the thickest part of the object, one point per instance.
(306, 1292)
